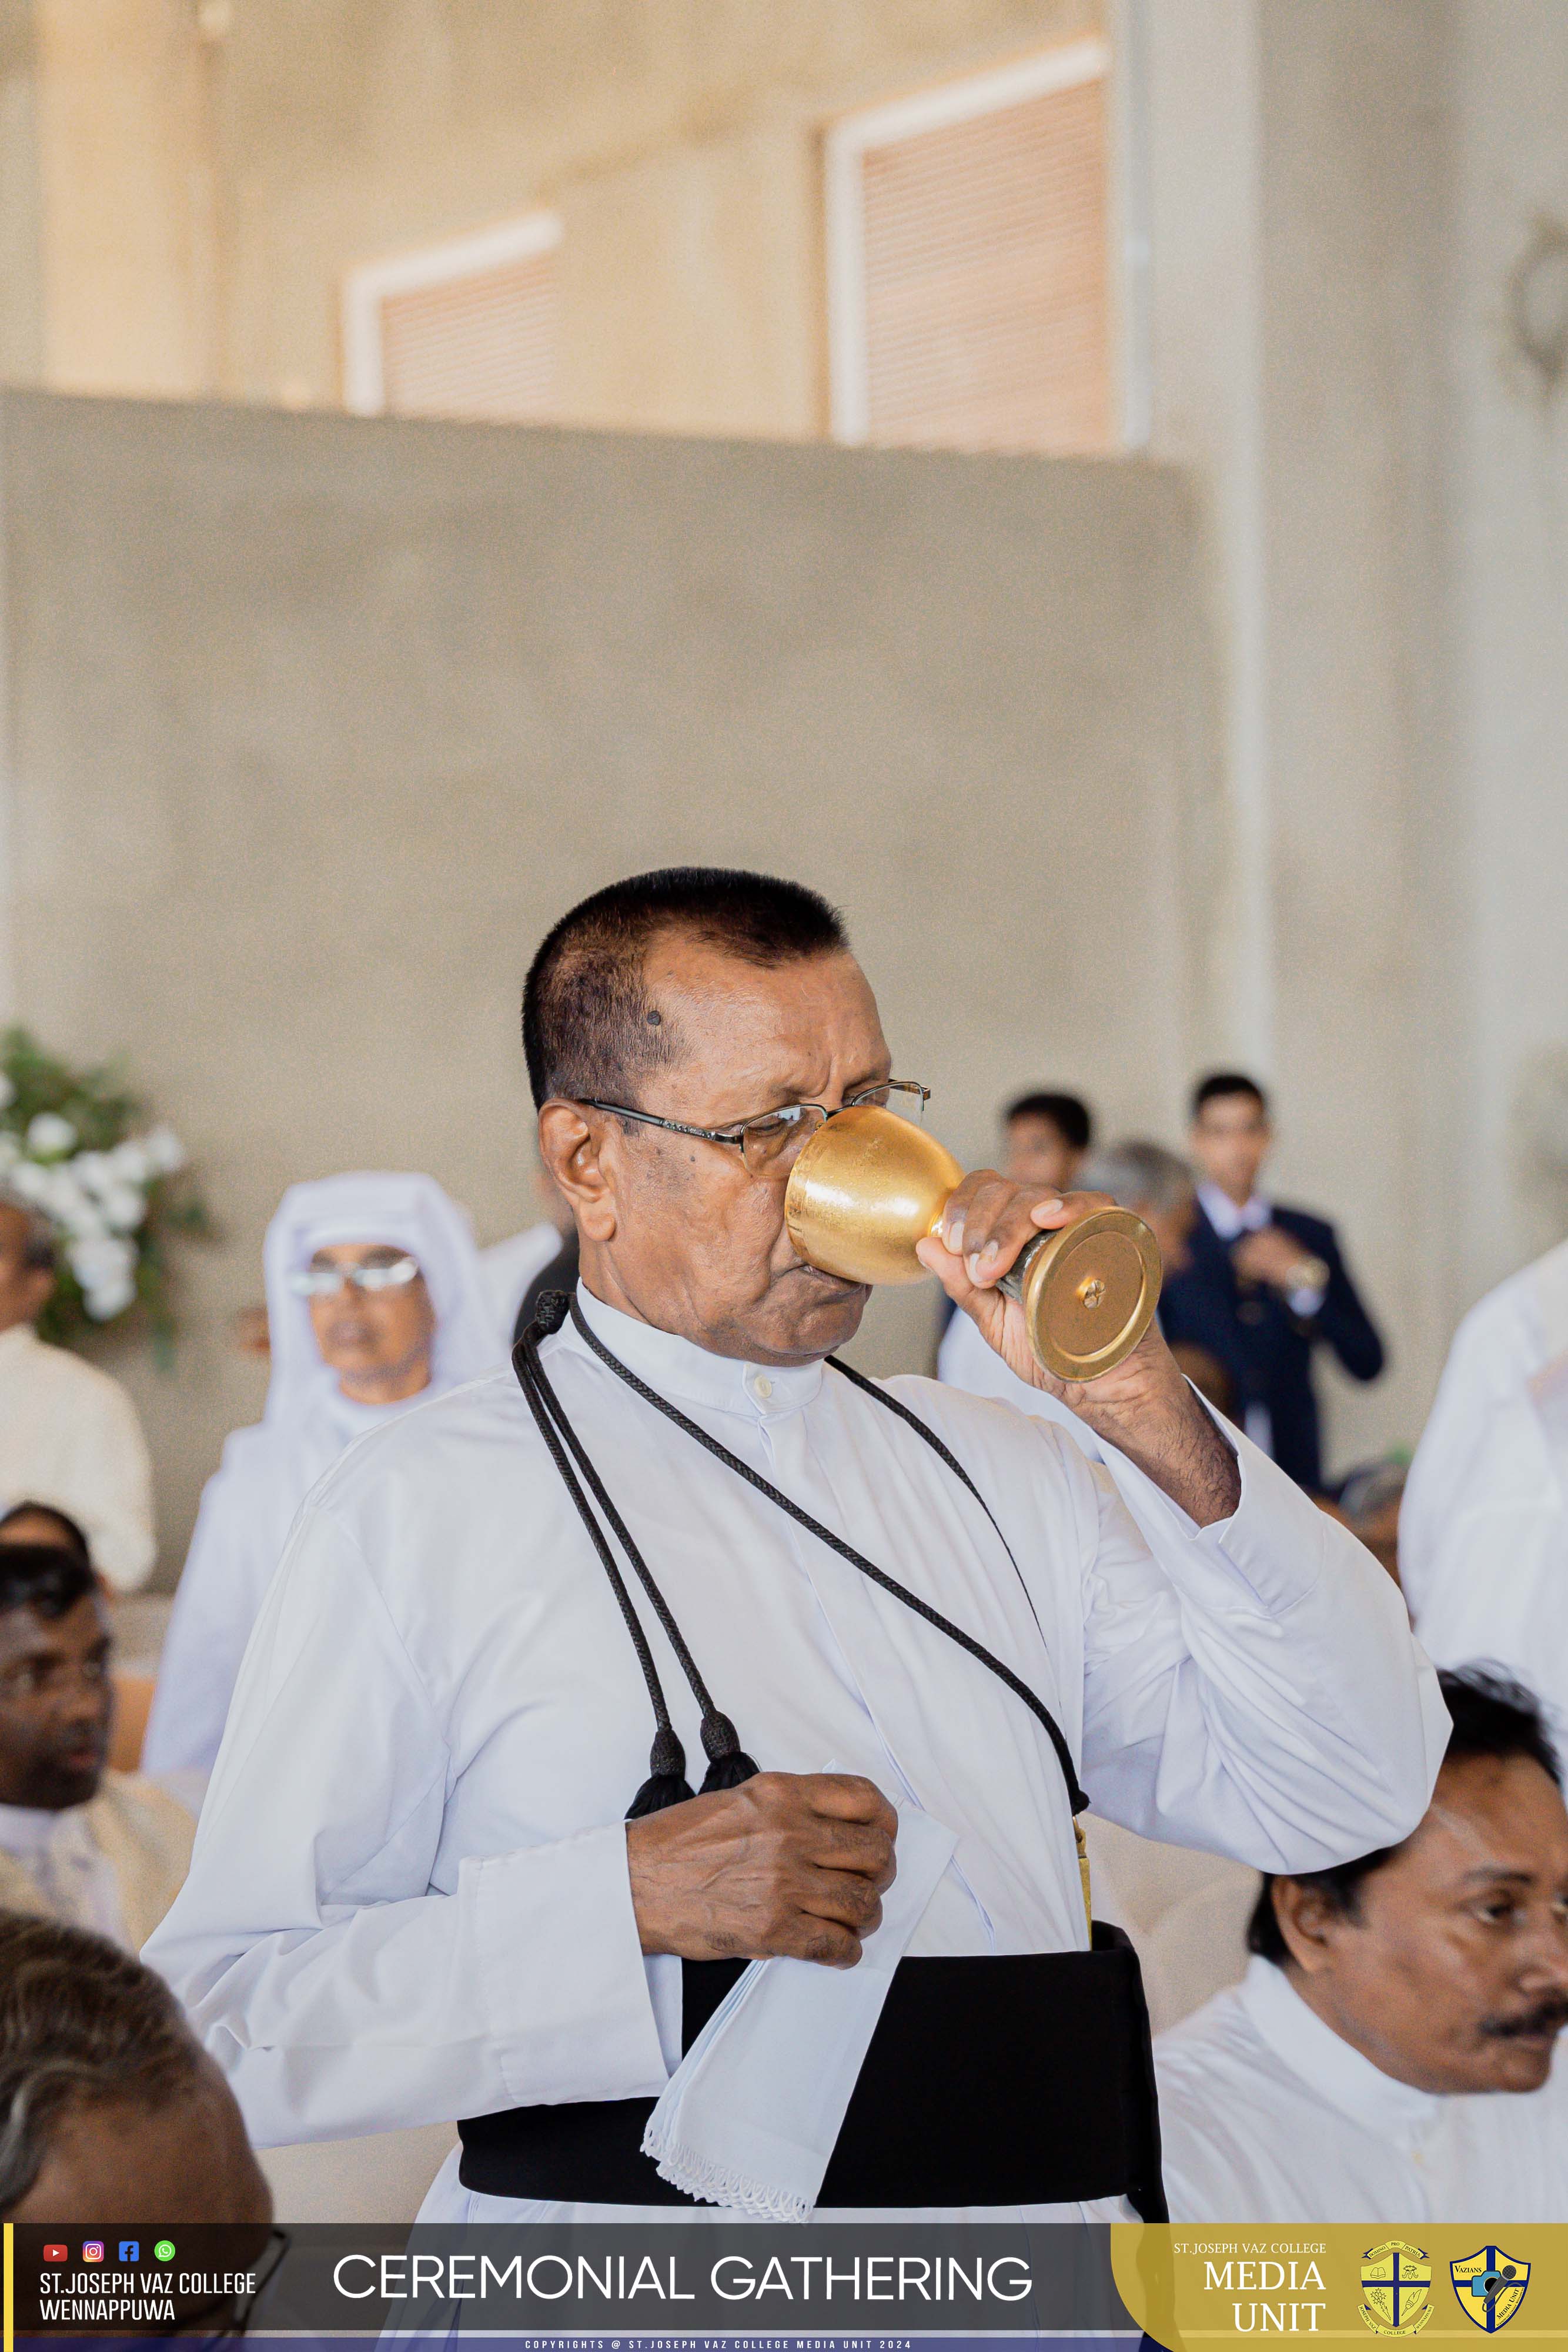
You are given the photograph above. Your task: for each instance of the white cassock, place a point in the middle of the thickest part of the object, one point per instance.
(249, 1503)
(1266, 2116)
(410, 1898)
(1182, 1910)
(1483, 1527)
(965, 1361)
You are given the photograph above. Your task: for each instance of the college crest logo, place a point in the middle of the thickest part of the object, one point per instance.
(1395, 2289)
(1491, 2286)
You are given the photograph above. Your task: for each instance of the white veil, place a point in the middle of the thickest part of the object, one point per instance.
(411, 1213)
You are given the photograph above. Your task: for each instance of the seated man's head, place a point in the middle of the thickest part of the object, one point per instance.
(55, 1694)
(1230, 1132)
(1445, 1961)
(1155, 1185)
(1047, 1137)
(726, 1011)
(109, 2110)
(372, 1317)
(27, 1262)
(41, 1523)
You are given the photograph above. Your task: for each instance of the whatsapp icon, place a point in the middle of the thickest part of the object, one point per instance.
(163, 2251)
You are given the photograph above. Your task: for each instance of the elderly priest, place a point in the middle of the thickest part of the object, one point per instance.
(442, 1873)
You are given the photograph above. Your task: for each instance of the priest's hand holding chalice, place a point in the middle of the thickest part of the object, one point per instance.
(1065, 1287)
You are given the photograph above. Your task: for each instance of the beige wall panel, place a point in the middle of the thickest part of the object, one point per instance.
(1509, 1050)
(1350, 277)
(126, 195)
(21, 288)
(680, 135)
(316, 725)
(691, 290)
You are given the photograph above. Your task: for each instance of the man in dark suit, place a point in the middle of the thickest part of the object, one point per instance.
(1265, 1284)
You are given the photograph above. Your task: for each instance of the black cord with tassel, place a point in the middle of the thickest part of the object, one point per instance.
(728, 1764)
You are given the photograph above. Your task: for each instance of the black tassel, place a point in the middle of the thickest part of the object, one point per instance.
(551, 1311)
(667, 1783)
(660, 1790)
(730, 1767)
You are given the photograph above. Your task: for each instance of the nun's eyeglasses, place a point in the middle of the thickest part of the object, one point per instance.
(770, 1142)
(321, 1281)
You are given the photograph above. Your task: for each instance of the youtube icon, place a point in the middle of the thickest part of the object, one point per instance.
(56, 2254)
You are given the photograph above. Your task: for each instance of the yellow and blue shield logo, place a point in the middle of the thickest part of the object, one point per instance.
(1491, 2286)
(1395, 2289)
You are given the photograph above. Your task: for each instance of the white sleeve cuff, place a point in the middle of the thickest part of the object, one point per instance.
(1268, 1551)
(564, 1981)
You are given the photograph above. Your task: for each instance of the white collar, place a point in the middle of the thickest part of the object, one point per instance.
(26, 1831)
(683, 1373)
(18, 1340)
(1330, 2066)
(1227, 1219)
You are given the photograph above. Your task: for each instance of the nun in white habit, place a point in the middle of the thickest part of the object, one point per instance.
(389, 1264)
(427, 1884)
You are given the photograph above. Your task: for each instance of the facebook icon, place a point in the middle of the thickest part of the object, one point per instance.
(130, 2249)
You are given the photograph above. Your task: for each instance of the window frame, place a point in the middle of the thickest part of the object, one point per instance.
(848, 140)
(368, 286)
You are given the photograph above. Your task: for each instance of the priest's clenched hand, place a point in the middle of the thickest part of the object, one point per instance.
(1145, 1408)
(788, 1865)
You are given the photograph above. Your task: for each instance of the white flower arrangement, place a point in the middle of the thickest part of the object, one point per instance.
(69, 1147)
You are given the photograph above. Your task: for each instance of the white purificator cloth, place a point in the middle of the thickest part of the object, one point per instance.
(749, 2118)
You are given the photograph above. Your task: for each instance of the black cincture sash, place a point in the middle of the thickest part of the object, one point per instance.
(1006, 2080)
(728, 1766)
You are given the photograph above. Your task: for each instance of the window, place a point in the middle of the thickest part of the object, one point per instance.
(465, 329)
(968, 262)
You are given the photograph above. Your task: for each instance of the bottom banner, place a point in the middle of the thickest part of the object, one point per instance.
(665, 2287)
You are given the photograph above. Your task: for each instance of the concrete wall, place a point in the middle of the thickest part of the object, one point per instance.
(1341, 200)
(315, 725)
(1297, 196)
(1508, 584)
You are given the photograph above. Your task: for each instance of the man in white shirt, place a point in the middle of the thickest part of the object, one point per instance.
(68, 1433)
(97, 1849)
(1386, 2058)
(1483, 1527)
(373, 1300)
(442, 1873)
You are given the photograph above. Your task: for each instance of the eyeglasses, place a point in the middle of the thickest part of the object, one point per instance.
(321, 1281)
(771, 1141)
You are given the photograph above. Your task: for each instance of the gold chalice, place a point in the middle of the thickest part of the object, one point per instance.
(869, 1185)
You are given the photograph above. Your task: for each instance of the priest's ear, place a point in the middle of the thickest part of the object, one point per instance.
(1312, 1917)
(572, 1139)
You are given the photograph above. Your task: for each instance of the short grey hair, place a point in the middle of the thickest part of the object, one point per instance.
(81, 2023)
(1138, 1175)
(37, 1232)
